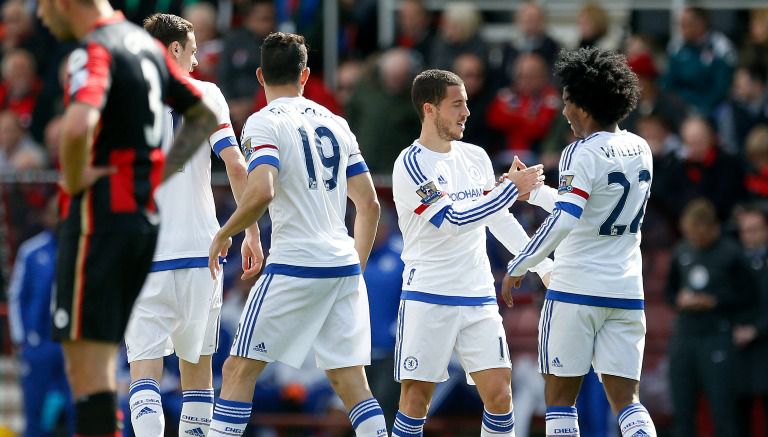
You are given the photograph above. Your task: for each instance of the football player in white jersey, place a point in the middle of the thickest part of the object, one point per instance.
(303, 164)
(593, 313)
(178, 308)
(446, 195)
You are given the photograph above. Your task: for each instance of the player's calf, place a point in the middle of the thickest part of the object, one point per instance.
(634, 421)
(562, 421)
(146, 408)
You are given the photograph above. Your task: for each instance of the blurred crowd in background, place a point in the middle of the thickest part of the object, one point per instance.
(703, 110)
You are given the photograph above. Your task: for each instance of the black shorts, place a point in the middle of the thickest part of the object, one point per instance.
(98, 278)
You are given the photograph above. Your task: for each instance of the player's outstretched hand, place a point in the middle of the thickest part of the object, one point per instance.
(219, 247)
(507, 285)
(526, 179)
(252, 254)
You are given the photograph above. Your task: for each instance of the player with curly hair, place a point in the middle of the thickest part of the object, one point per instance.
(593, 313)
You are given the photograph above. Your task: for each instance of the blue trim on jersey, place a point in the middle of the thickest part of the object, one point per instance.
(182, 263)
(536, 241)
(438, 299)
(313, 272)
(357, 168)
(412, 166)
(596, 301)
(270, 160)
(479, 212)
(570, 208)
(223, 143)
(438, 218)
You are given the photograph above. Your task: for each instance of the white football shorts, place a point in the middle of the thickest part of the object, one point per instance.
(285, 317)
(177, 310)
(428, 334)
(573, 336)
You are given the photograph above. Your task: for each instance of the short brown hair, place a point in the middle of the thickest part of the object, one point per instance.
(283, 58)
(431, 86)
(168, 28)
(700, 212)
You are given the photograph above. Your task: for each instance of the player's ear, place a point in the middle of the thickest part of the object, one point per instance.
(260, 76)
(427, 108)
(304, 76)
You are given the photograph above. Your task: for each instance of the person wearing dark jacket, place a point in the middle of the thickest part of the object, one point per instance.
(750, 334)
(709, 284)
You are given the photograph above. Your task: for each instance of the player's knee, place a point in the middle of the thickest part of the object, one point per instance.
(241, 369)
(499, 401)
(415, 397)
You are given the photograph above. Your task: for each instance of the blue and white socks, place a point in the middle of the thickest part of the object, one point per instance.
(408, 426)
(229, 418)
(634, 421)
(498, 424)
(196, 412)
(368, 419)
(562, 422)
(146, 408)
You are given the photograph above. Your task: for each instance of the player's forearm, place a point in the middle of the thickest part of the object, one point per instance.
(508, 231)
(554, 229)
(259, 191)
(462, 217)
(199, 122)
(238, 175)
(366, 222)
(76, 136)
(544, 197)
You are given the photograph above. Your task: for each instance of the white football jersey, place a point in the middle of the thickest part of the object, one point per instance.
(598, 210)
(444, 202)
(314, 152)
(187, 212)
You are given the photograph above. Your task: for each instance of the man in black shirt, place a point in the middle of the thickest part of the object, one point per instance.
(710, 284)
(118, 79)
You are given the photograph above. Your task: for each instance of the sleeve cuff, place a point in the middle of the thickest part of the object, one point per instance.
(270, 160)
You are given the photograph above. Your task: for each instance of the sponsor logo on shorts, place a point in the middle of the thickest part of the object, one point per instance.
(410, 363)
(260, 347)
(556, 362)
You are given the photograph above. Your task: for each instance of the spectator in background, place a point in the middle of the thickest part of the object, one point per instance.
(525, 110)
(700, 63)
(240, 56)
(751, 335)
(383, 276)
(471, 69)
(746, 107)
(380, 112)
(458, 34)
(18, 27)
(414, 28)
(347, 77)
(755, 48)
(594, 25)
(14, 140)
(699, 173)
(531, 22)
(756, 153)
(209, 46)
(47, 404)
(20, 85)
(709, 284)
(653, 99)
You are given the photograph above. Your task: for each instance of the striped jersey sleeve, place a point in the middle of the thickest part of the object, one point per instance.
(575, 182)
(259, 143)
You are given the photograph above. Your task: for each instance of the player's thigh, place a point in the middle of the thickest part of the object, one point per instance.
(198, 299)
(481, 342)
(619, 344)
(282, 318)
(344, 339)
(425, 339)
(566, 337)
(99, 278)
(152, 319)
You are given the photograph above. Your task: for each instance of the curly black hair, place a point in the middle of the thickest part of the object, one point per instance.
(599, 82)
